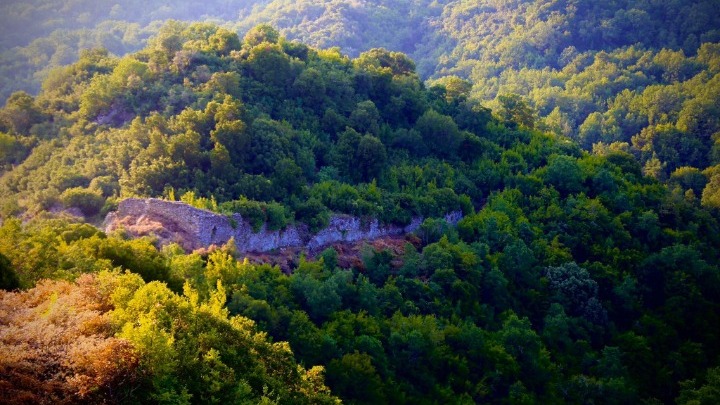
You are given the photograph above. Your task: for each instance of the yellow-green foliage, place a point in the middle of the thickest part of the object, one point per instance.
(136, 342)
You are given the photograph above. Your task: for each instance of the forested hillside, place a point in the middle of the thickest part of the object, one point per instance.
(638, 76)
(572, 278)
(40, 35)
(642, 74)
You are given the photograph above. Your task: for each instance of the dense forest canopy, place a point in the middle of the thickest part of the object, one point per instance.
(636, 74)
(585, 268)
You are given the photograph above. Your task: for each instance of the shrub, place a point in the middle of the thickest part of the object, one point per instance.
(90, 202)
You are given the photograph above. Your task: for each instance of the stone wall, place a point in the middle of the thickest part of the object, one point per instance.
(195, 228)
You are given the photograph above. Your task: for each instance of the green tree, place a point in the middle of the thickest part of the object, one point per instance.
(288, 177)
(708, 393)
(396, 63)
(515, 110)
(20, 113)
(439, 132)
(365, 118)
(456, 89)
(272, 67)
(565, 174)
(354, 378)
(371, 157)
(223, 42)
(344, 154)
(261, 33)
(711, 192)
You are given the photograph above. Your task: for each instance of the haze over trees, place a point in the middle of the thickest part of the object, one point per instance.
(585, 268)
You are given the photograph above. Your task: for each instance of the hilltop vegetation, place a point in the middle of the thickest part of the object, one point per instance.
(642, 75)
(572, 278)
(267, 120)
(40, 35)
(638, 76)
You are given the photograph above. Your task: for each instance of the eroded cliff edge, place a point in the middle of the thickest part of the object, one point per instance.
(195, 228)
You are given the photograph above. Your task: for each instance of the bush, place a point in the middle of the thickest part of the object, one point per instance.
(90, 202)
(277, 216)
(107, 185)
(257, 213)
(313, 213)
(111, 204)
(251, 211)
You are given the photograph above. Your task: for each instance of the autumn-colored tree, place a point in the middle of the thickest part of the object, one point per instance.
(58, 344)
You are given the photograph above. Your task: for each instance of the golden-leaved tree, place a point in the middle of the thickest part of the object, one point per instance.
(111, 337)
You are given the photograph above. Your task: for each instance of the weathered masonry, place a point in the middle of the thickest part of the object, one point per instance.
(195, 228)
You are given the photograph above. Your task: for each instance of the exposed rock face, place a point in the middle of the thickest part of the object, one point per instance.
(195, 228)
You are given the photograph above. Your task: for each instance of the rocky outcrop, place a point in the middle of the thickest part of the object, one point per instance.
(195, 228)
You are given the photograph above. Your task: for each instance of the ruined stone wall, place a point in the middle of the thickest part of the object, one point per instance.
(195, 228)
(191, 227)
